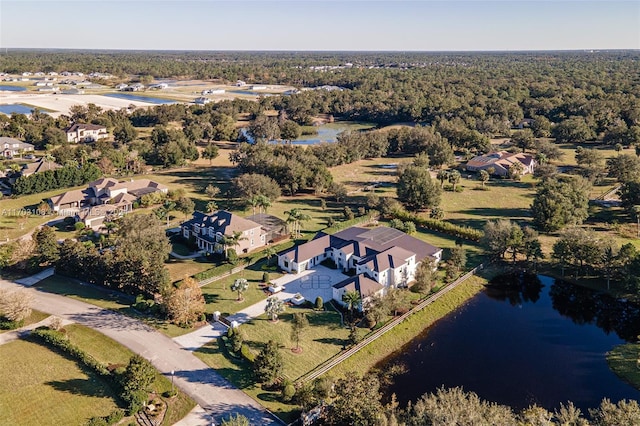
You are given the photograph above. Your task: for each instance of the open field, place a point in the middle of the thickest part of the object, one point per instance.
(38, 386)
(86, 293)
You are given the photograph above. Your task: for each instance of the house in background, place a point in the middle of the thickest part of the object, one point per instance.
(38, 166)
(103, 198)
(501, 161)
(13, 147)
(86, 133)
(381, 258)
(209, 231)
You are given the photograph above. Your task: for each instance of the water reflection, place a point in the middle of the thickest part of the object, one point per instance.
(524, 340)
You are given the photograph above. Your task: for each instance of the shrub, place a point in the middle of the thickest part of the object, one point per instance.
(288, 392)
(319, 303)
(247, 354)
(79, 226)
(115, 416)
(170, 393)
(265, 277)
(135, 400)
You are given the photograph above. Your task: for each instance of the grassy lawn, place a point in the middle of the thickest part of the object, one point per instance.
(86, 293)
(38, 386)
(36, 316)
(402, 334)
(323, 339)
(219, 296)
(108, 351)
(624, 360)
(179, 268)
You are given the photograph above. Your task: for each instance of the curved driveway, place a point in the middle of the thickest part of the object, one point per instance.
(212, 392)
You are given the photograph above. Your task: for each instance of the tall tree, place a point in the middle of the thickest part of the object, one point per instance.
(560, 202)
(416, 189)
(268, 364)
(298, 326)
(185, 304)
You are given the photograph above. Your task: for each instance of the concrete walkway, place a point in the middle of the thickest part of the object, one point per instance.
(33, 279)
(12, 335)
(218, 398)
(310, 283)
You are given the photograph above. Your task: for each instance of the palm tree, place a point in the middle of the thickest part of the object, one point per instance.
(293, 217)
(240, 285)
(442, 176)
(351, 299)
(303, 218)
(49, 159)
(233, 240)
(274, 307)
(263, 203)
(484, 177)
(269, 253)
(211, 207)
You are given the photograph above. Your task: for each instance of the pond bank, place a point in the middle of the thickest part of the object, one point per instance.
(378, 350)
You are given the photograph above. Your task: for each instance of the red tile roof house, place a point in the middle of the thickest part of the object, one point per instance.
(501, 161)
(103, 198)
(381, 257)
(86, 133)
(209, 230)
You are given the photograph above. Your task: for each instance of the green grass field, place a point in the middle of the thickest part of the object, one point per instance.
(86, 293)
(624, 360)
(323, 339)
(38, 386)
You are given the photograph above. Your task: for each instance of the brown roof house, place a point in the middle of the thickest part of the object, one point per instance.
(102, 199)
(501, 161)
(209, 231)
(86, 133)
(377, 258)
(38, 166)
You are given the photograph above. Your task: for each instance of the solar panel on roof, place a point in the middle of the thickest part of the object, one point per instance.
(382, 235)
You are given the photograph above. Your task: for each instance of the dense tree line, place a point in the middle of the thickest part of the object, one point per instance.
(70, 175)
(134, 264)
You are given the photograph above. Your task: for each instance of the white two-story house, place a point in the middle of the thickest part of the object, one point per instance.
(386, 256)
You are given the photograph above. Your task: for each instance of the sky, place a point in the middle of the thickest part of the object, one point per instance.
(391, 25)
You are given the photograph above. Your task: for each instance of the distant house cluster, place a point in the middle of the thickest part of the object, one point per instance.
(103, 198)
(135, 87)
(377, 258)
(209, 230)
(501, 162)
(79, 132)
(13, 147)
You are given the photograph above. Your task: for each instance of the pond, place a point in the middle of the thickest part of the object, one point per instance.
(326, 133)
(12, 88)
(15, 109)
(541, 342)
(147, 99)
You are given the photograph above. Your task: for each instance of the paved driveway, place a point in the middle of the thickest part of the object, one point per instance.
(310, 283)
(210, 390)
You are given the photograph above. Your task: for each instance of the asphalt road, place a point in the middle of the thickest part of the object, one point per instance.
(211, 391)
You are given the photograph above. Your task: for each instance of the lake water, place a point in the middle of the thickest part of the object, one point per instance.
(326, 132)
(542, 343)
(15, 109)
(146, 99)
(12, 88)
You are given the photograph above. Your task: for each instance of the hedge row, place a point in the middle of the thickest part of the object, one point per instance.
(58, 341)
(457, 231)
(371, 215)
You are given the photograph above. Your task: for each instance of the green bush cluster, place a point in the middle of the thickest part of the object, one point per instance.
(457, 231)
(63, 177)
(114, 417)
(339, 226)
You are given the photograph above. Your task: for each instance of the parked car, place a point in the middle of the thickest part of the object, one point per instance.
(29, 157)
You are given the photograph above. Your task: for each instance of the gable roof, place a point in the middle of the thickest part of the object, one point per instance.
(362, 284)
(222, 221)
(502, 159)
(38, 166)
(365, 243)
(390, 258)
(11, 142)
(73, 196)
(81, 126)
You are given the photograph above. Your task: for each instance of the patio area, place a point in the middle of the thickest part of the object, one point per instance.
(310, 283)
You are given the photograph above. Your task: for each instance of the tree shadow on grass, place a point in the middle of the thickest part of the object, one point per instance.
(269, 397)
(485, 212)
(332, 341)
(85, 387)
